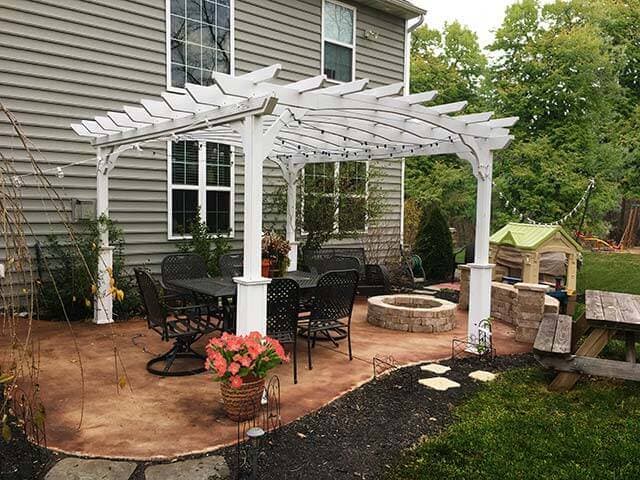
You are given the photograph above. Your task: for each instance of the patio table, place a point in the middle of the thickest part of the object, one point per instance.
(608, 314)
(225, 288)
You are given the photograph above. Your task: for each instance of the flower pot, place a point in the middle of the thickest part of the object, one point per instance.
(242, 403)
(266, 267)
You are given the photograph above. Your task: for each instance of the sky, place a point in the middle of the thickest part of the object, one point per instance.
(482, 16)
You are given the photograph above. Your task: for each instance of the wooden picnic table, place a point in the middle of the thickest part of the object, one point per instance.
(607, 314)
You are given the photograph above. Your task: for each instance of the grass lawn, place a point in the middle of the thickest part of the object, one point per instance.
(516, 429)
(616, 272)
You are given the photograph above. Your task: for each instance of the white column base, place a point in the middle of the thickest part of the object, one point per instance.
(293, 257)
(479, 303)
(103, 301)
(251, 308)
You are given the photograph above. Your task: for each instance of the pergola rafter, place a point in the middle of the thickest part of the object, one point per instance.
(296, 124)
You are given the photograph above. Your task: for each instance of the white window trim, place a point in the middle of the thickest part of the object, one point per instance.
(232, 43)
(335, 197)
(202, 189)
(352, 47)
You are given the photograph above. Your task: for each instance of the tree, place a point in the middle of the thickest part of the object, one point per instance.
(434, 245)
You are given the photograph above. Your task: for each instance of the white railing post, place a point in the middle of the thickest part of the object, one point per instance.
(103, 300)
(251, 314)
(481, 269)
(291, 218)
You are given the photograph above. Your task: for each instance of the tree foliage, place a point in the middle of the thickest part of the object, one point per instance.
(434, 245)
(570, 71)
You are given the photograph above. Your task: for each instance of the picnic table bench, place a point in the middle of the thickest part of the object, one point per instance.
(607, 314)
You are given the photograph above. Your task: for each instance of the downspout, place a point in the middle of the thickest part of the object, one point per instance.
(407, 76)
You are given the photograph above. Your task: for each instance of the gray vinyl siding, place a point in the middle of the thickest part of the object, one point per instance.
(64, 61)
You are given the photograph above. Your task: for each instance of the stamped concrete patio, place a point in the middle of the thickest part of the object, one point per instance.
(155, 418)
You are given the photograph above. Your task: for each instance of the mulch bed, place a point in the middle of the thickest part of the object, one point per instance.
(21, 460)
(361, 435)
(358, 436)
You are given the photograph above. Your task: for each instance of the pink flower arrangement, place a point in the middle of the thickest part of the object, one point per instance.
(234, 358)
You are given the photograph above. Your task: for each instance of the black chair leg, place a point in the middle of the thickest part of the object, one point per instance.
(349, 342)
(295, 363)
(181, 349)
(309, 347)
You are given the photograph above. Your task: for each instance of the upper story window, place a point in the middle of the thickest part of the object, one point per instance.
(200, 40)
(339, 41)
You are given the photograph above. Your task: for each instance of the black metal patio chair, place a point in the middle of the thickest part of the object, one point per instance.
(182, 325)
(180, 266)
(231, 265)
(283, 298)
(331, 308)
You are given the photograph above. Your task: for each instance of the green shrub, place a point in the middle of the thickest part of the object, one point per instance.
(209, 246)
(434, 245)
(67, 270)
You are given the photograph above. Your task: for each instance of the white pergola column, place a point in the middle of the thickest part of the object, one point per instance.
(103, 300)
(291, 219)
(251, 314)
(481, 269)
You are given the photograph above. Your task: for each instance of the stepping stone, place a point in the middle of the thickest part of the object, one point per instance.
(483, 376)
(435, 368)
(205, 468)
(94, 469)
(438, 383)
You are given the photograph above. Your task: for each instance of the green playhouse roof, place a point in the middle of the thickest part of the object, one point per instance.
(528, 236)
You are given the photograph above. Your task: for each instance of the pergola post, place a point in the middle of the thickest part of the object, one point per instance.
(292, 195)
(103, 300)
(251, 314)
(481, 269)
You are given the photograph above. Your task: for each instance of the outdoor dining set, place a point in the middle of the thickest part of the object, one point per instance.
(188, 304)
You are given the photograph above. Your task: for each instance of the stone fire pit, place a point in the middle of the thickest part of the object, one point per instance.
(411, 313)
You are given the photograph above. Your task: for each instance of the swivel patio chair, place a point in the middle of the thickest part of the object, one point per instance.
(231, 264)
(283, 297)
(331, 308)
(182, 325)
(342, 262)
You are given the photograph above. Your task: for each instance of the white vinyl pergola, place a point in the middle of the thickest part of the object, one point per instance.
(293, 125)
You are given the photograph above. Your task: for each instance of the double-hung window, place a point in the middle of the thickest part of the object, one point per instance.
(200, 179)
(200, 40)
(335, 196)
(339, 41)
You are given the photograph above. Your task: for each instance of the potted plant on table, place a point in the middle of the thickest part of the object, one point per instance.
(275, 254)
(240, 363)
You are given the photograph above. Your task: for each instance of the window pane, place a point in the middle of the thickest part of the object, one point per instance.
(319, 178)
(318, 213)
(184, 163)
(185, 207)
(218, 165)
(338, 23)
(338, 62)
(209, 12)
(177, 7)
(194, 8)
(200, 40)
(218, 211)
(352, 177)
(351, 214)
(177, 27)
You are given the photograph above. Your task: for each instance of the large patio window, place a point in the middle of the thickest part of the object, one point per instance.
(339, 40)
(199, 40)
(201, 176)
(335, 196)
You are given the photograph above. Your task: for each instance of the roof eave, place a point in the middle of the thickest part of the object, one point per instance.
(399, 8)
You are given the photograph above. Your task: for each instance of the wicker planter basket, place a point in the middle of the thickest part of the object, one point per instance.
(242, 403)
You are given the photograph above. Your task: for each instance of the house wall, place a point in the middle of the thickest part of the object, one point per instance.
(61, 62)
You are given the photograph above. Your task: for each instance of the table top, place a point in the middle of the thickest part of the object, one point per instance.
(617, 311)
(226, 287)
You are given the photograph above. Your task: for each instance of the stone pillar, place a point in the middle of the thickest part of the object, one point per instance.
(529, 310)
(465, 275)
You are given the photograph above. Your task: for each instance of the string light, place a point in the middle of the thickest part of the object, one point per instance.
(567, 216)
